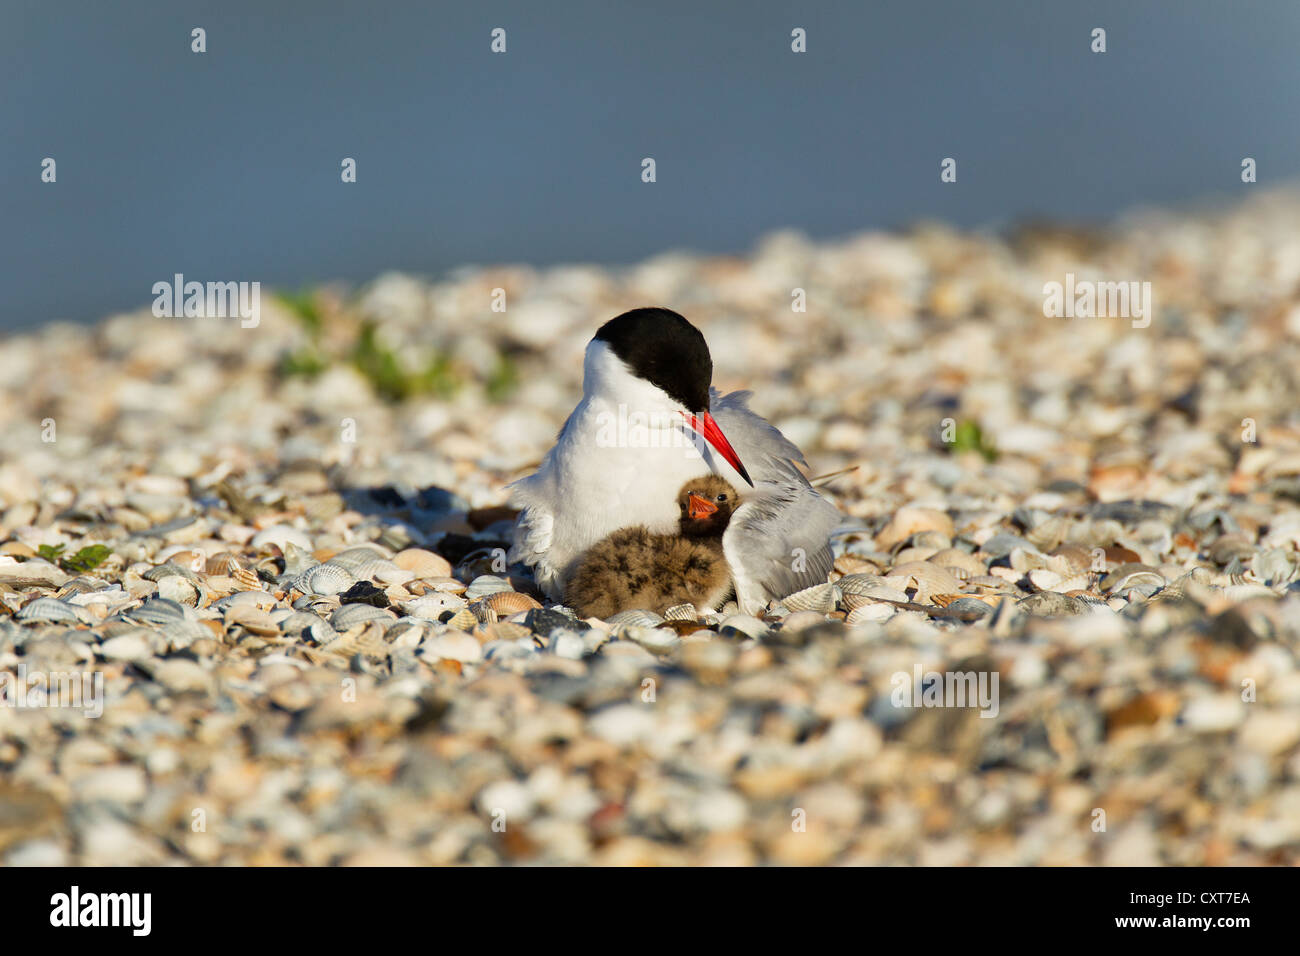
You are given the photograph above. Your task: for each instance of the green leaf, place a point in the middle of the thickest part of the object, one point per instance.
(51, 552)
(969, 437)
(87, 559)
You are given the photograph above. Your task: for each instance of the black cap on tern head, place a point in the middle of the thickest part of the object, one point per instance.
(661, 347)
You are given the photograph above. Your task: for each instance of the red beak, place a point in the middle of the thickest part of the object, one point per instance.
(707, 427)
(698, 507)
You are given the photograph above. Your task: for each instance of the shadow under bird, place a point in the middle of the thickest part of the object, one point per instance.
(636, 569)
(648, 422)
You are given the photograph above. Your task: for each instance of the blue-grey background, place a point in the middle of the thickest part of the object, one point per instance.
(225, 165)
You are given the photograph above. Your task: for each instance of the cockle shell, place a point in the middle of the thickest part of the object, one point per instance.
(350, 615)
(820, 597)
(48, 610)
(325, 579)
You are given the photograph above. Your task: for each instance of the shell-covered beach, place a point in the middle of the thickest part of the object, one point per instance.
(282, 548)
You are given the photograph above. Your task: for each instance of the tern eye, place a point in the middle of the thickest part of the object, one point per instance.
(722, 497)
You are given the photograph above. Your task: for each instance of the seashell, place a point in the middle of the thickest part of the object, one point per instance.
(927, 578)
(296, 559)
(431, 606)
(858, 583)
(502, 631)
(1077, 557)
(743, 625)
(170, 570)
(1048, 534)
(1024, 561)
(349, 616)
(367, 569)
(956, 558)
(847, 564)
(656, 640)
(253, 619)
(179, 589)
(486, 584)
(908, 521)
(462, 620)
(422, 563)
(391, 574)
(1139, 576)
(873, 595)
(325, 579)
(247, 579)
(1045, 580)
(48, 610)
(506, 603)
(914, 554)
(1275, 567)
(1075, 582)
(224, 563)
(311, 626)
(635, 618)
(160, 612)
(820, 597)
(870, 614)
(681, 612)
(932, 540)
(967, 605)
(358, 556)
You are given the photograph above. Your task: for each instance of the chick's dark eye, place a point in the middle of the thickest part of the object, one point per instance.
(722, 497)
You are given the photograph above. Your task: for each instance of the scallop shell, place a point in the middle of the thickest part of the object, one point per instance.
(820, 597)
(486, 584)
(462, 620)
(367, 569)
(325, 579)
(354, 557)
(635, 618)
(159, 611)
(873, 595)
(858, 583)
(48, 610)
(506, 603)
(225, 563)
(681, 612)
(169, 570)
(351, 615)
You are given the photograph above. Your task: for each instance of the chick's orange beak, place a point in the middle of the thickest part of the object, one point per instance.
(698, 507)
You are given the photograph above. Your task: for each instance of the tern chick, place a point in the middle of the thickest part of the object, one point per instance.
(634, 568)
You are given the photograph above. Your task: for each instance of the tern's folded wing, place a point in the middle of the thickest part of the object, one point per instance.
(767, 454)
(778, 542)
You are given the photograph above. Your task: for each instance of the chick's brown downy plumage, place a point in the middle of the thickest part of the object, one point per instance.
(634, 569)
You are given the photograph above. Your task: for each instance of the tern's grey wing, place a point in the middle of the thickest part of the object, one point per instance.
(778, 542)
(767, 454)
